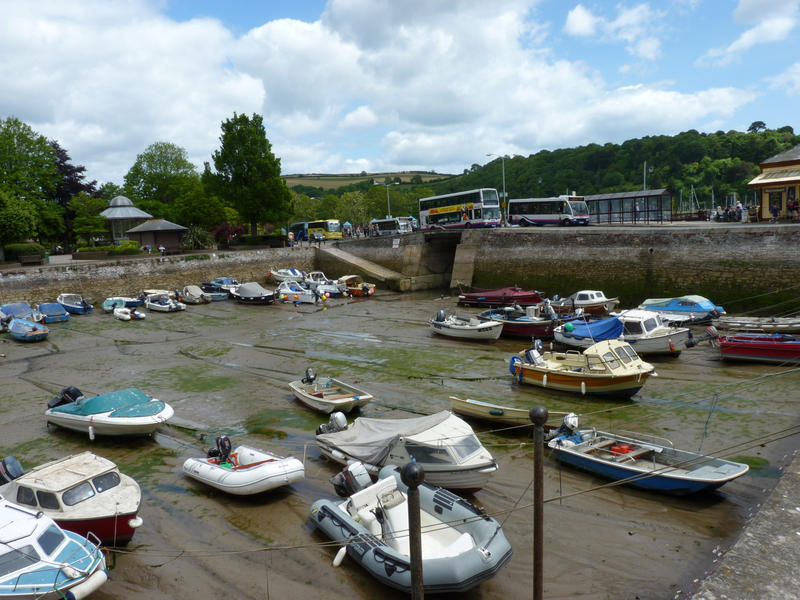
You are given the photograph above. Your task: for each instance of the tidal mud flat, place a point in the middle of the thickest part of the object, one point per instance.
(224, 368)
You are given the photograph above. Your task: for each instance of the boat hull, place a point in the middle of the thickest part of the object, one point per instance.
(623, 386)
(268, 472)
(338, 396)
(499, 297)
(486, 330)
(760, 348)
(666, 345)
(487, 411)
(102, 424)
(112, 530)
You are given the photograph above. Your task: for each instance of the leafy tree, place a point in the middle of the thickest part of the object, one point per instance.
(150, 180)
(28, 168)
(17, 221)
(248, 173)
(416, 179)
(304, 207)
(193, 206)
(109, 191)
(756, 126)
(352, 207)
(88, 223)
(70, 185)
(197, 237)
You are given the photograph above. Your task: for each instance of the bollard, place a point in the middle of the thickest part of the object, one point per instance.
(412, 475)
(538, 415)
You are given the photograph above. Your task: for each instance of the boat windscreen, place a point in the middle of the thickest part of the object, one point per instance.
(423, 453)
(466, 446)
(611, 360)
(51, 539)
(18, 558)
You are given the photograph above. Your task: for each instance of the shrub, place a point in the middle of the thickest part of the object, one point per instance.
(14, 251)
(126, 247)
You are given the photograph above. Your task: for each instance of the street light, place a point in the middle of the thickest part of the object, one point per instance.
(388, 208)
(503, 166)
(645, 170)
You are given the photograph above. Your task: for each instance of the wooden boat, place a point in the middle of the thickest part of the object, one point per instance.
(442, 443)
(684, 309)
(43, 562)
(592, 302)
(333, 395)
(494, 413)
(356, 286)
(461, 545)
(642, 461)
(122, 412)
(161, 302)
(288, 274)
(75, 304)
(779, 348)
(642, 329)
(253, 293)
(534, 321)
(608, 368)
(84, 493)
(123, 313)
(243, 470)
(467, 328)
(52, 312)
(499, 297)
(192, 294)
(759, 324)
(27, 331)
(291, 291)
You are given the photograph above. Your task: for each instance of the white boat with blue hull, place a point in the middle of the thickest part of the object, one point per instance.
(461, 545)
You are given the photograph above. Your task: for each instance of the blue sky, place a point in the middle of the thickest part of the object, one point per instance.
(379, 85)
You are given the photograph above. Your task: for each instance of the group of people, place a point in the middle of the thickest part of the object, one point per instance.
(733, 213)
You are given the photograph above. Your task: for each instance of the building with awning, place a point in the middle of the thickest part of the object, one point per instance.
(778, 182)
(122, 215)
(158, 232)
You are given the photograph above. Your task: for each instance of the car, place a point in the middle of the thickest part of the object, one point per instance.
(316, 237)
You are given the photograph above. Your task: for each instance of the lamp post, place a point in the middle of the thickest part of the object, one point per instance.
(386, 185)
(644, 175)
(503, 167)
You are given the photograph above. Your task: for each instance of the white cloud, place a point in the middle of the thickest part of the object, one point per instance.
(363, 116)
(788, 81)
(581, 22)
(637, 27)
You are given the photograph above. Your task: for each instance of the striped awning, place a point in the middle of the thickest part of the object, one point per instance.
(777, 176)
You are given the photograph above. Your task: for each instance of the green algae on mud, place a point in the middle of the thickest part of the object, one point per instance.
(190, 379)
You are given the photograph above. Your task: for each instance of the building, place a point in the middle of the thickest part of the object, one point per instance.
(619, 207)
(778, 182)
(156, 233)
(122, 215)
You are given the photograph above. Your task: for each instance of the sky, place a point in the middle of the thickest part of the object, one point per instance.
(346, 86)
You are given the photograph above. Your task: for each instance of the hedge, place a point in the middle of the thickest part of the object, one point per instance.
(14, 251)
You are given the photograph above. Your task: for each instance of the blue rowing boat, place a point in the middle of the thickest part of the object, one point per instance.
(27, 331)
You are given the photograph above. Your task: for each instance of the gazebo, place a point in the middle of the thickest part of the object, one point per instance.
(123, 215)
(158, 232)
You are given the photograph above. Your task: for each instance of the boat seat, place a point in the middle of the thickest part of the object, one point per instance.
(601, 445)
(338, 397)
(635, 454)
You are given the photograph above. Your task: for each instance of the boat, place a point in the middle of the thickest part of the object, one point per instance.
(317, 280)
(21, 310)
(592, 302)
(533, 321)
(778, 348)
(253, 293)
(468, 328)
(642, 329)
(109, 304)
(442, 443)
(289, 274)
(192, 294)
(75, 304)
(498, 297)
(27, 331)
(161, 302)
(607, 368)
(684, 309)
(292, 291)
(356, 286)
(493, 413)
(83, 493)
(52, 312)
(43, 562)
(220, 284)
(759, 324)
(461, 545)
(123, 412)
(243, 470)
(123, 313)
(333, 395)
(641, 460)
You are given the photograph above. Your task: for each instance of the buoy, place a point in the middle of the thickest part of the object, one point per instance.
(544, 380)
(91, 432)
(337, 560)
(583, 388)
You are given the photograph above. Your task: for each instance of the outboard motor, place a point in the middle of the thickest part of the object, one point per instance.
(440, 316)
(567, 428)
(337, 422)
(224, 448)
(353, 478)
(66, 396)
(309, 377)
(10, 469)
(533, 354)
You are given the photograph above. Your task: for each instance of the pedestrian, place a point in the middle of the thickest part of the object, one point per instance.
(162, 250)
(290, 239)
(739, 210)
(774, 210)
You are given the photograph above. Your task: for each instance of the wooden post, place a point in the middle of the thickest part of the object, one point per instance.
(538, 415)
(412, 475)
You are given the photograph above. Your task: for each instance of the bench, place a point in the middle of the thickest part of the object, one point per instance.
(635, 454)
(30, 259)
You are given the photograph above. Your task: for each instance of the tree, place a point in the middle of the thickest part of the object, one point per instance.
(756, 126)
(17, 221)
(88, 223)
(150, 180)
(28, 167)
(193, 206)
(249, 174)
(109, 191)
(70, 184)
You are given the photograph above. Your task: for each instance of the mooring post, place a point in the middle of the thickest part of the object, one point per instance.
(538, 414)
(412, 475)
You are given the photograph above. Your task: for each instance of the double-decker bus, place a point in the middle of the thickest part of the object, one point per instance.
(390, 226)
(562, 210)
(461, 210)
(330, 228)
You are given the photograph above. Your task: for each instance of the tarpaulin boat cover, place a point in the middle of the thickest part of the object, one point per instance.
(369, 440)
(604, 329)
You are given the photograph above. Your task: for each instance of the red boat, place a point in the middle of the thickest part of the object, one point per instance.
(522, 322)
(499, 297)
(775, 348)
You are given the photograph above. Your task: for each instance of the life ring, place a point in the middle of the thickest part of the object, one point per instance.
(512, 364)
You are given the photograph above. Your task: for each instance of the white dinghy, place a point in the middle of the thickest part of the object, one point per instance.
(469, 328)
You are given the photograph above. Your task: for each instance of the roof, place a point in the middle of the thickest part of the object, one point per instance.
(636, 194)
(792, 154)
(777, 176)
(156, 225)
(65, 472)
(121, 208)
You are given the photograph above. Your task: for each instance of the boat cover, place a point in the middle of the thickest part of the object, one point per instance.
(52, 309)
(370, 440)
(603, 329)
(252, 290)
(130, 402)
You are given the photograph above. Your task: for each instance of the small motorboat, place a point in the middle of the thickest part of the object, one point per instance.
(43, 562)
(288, 274)
(684, 310)
(253, 293)
(109, 304)
(317, 280)
(21, 310)
(292, 291)
(161, 302)
(192, 294)
(642, 329)
(461, 545)
(608, 368)
(220, 284)
(243, 470)
(777, 348)
(534, 321)
(759, 324)
(356, 286)
(123, 412)
(123, 313)
(27, 331)
(593, 302)
(494, 413)
(641, 460)
(75, 304)
(467, 328)
(333, 395)
(442, 443)
(499, 297)
(53, 312)
(84, 493)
